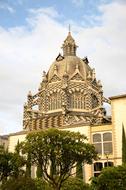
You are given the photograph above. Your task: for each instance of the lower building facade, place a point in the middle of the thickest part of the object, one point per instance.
(107, 139)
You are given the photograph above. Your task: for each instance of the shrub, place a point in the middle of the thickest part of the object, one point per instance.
(42, 184)
(74, 183)
(110, 178)
(19, 184)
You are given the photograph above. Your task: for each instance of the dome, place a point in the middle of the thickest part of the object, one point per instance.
(69, 94)
(69, 65)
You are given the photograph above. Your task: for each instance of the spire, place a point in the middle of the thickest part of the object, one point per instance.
(69, 47)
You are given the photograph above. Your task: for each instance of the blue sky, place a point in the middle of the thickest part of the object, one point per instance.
(31, 36)
(14, 13)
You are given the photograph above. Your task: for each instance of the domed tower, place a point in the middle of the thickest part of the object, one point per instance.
(69, 94)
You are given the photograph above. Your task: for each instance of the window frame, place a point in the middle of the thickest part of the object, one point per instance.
(97, 172)
(102, 142)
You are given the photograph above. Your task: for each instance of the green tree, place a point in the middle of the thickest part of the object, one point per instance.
(79, 170)
(5, 164)
(39, 172)
(17, 162)
(73, 183)
(22, 183)
(123, 145)
(41, 184)
(111, 178)
(28, 166)
(27, 160)
(60, 150)
(10, 164)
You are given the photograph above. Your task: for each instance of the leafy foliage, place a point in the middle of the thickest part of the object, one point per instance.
(79, 171)
(5, 164)
(61, 150)
(111, 178)
(73, 183)
(28, 166)
(10, 164)
(21, 183)
(42, 184)
(39, 172)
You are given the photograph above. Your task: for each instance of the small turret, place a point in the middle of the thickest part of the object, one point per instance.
(69, 46)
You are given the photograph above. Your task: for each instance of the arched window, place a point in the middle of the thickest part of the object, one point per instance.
(97, 137)
(54, 101)
(77, 101)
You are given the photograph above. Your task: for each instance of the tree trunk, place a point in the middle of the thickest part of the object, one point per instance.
(56, 187)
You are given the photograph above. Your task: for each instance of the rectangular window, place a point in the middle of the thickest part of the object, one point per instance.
(98, 148)
(103, 143)
(107, 146)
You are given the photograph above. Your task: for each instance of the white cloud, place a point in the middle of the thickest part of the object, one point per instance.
(120, 1)
(49, 11)
(5, 6)
(25, 53)
(105, 45)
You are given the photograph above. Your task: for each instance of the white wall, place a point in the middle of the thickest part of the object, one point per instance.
(118, 119)
(13, 139)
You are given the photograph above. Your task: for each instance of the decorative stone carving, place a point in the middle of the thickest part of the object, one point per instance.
(55, 78)
(59, 57)
(69, 94)
(75, 120)
(77, 77)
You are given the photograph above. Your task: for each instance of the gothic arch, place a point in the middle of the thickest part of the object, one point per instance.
(77, 99)
(55, 99)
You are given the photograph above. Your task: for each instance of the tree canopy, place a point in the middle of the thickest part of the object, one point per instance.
(73, 183)
(22, 183)
(57, 152)
(10, 164)
(110, 178)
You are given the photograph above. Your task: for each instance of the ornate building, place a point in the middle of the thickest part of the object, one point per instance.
(69, 94)
(71, 98)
